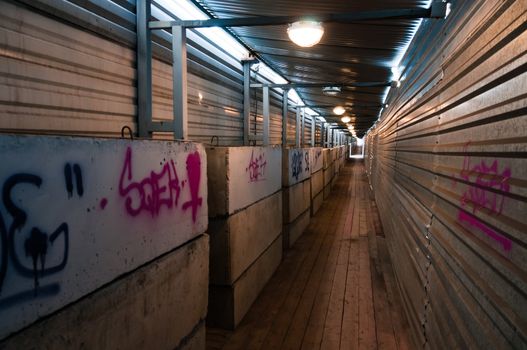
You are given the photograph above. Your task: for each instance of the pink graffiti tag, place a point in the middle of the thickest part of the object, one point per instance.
(194, 176)
(484, 195)
(152, 192)
(256, 167)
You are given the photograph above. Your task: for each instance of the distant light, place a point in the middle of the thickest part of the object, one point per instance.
(345, 119)
(305, 33)
(331, 90)
(339, 110)
(396, 72)
(448, 9)
(200, 96)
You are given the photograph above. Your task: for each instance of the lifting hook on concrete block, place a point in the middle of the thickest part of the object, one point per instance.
(130, 133)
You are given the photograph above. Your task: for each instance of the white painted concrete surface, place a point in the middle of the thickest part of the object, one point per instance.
(76, 213)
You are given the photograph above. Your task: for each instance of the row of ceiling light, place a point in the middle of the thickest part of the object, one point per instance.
(307, 34)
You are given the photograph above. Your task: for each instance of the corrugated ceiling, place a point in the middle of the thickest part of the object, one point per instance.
(348, 52)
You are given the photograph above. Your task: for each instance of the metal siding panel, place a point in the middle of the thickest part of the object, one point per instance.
(62, 78)
(447, 162)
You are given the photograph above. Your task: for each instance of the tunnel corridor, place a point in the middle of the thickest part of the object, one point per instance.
(335, 289)
(262, 174)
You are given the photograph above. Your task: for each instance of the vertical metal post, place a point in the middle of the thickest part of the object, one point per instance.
(322, 134)
(285, 101)
(144, 69)
(313, 126)
(179, 76)
(246, 101)
(297, 128)
(303, 129)
(266, 116)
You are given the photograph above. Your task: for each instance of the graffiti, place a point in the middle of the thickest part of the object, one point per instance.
(296, 164)
(69, 179)
(256, 167)
(152, 192)
(306, 159)
(37, 244)
(194, 176)
(318, 154)
(484, 195)
(159, 189)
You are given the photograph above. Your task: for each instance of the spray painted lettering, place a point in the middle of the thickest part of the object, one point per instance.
(194, 177)
(296, 164)
(150, 193)
(38, 243)
(484, 195)
(306, 159)
(256, 167)
(159, 189)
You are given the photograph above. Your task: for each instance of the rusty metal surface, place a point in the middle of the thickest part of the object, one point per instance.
(448, 167)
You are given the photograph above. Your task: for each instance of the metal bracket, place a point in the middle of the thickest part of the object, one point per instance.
(179, 125)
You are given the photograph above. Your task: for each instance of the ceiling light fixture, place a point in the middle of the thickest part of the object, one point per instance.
(330, 90)
(339, 110)
(305, 33)
(345, 119)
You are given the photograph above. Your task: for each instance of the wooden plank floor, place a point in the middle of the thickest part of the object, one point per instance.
(335, 289)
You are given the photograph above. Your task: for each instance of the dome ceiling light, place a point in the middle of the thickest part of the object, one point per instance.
(345, 119)
(339, 110)
(331, 90)
(305, 33)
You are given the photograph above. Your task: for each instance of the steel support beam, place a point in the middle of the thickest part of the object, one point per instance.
(322, 134)
(313, 127)
(285, 101)
(321, 85)
(303, 128)
(435, 11)
(144, 69)
(246, 101)
(179, 82)
(297, 128)
(265, 116)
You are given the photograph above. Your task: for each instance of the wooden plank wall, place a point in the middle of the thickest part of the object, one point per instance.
(447, 163)
(69, 68)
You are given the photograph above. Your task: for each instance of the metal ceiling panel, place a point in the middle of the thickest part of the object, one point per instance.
(348, 52)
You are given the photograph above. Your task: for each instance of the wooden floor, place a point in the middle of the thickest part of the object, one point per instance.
(335, 289)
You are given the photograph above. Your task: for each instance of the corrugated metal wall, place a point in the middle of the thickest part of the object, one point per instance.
(68, 67)
(448, 167)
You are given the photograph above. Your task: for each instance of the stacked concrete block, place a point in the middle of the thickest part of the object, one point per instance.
(317, 178)
(336, 165)
(328, 171)
(296, 174)
(245, 228)
(107, 244)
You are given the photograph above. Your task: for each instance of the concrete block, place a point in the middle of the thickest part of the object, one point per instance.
(294, 230)
(327, 191)
(316, 159)
(241, 176)
(196, 340)
(327, 160)
(91, 210)
(328, 175)
(317, 183)
(161, 305)
(295, 165)
(229, 304)
(238, 240)
(334, 154)
(316, 203)
(297, 199)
